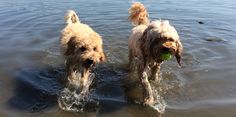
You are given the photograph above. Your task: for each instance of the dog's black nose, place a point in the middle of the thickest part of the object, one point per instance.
(89, 62)
(166, 49)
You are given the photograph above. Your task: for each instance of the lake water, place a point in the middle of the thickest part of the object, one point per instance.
(31, 65)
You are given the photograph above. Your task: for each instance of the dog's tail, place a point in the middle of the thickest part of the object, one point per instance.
(138, 14)
(71, 17)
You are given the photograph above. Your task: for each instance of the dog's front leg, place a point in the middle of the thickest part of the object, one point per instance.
(85, 77)
(70, 72)
(155, 72)
(147, 90)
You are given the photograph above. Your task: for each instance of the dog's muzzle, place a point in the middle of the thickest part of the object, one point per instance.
(165, 49)
(171, 50)
(169, 47)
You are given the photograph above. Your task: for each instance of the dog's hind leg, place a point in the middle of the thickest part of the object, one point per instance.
(131, 60)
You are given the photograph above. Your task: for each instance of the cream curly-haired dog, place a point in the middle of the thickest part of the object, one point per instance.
(82, 49)
(147, 41)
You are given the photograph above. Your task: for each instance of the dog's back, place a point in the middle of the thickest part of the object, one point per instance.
(133, 42)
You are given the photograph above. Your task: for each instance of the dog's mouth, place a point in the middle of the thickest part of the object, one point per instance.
(83, 71)
(85, 68)
(169, 47)
(88, 64)
(166, 53)
(168, 50)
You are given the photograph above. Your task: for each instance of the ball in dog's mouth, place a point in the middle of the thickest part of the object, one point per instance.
(166, 55)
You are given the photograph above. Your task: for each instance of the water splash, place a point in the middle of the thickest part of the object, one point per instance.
(134, 92)
(78, 100)
(159, 104)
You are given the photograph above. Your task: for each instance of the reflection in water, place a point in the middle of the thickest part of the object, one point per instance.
(36, 89)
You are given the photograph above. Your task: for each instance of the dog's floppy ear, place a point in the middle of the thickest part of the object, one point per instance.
(179, 51)
(70, 46)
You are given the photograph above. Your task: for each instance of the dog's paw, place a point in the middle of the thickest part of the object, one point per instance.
(148, 100)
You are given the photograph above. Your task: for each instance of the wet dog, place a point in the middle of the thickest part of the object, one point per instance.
(82, 48)
(147, 42)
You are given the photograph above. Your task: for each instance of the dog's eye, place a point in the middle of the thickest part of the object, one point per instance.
(94, 49)
(82, 49)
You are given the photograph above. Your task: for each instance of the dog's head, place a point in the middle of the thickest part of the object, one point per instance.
(162, 37)
(86, 52)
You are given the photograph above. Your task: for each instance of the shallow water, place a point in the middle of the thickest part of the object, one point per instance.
(31, 67)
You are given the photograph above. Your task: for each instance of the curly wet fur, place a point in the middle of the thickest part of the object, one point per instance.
(147, 41)
(81, 47)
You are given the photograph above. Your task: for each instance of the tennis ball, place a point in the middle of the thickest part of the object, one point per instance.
(166, 56)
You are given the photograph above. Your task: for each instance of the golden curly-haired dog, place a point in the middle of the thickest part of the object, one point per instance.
(147, 41)
(82, 49)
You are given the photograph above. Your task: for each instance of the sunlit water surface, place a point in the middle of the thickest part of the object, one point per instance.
(31, 67)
